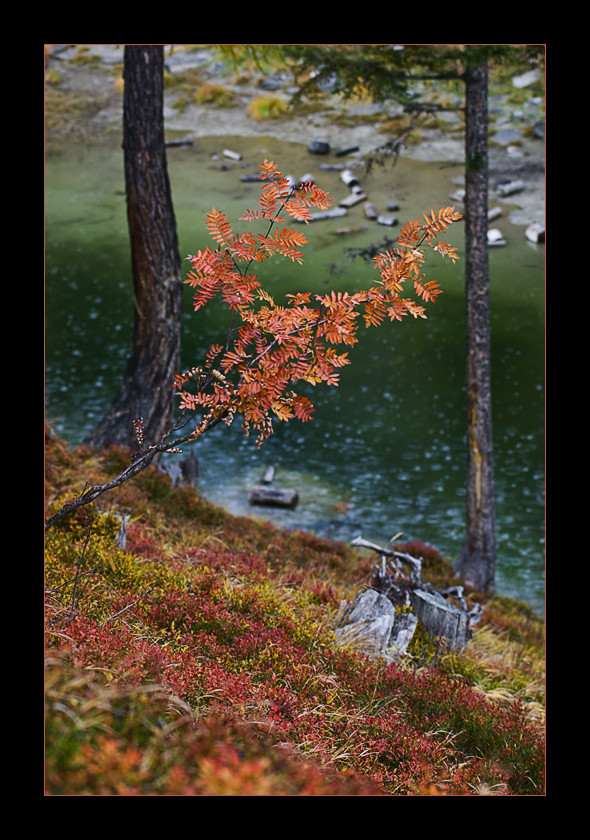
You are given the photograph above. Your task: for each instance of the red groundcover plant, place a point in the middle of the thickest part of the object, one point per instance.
(218, 638)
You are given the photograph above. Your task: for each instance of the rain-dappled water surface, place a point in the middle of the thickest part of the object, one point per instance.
(385, 451)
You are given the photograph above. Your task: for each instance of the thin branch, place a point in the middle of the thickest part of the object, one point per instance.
(76, 577)
(66, 582)
(128, 607)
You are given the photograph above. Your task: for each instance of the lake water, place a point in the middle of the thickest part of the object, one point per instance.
(385, 452)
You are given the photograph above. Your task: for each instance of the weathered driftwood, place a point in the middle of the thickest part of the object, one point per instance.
(121, 538)
(273, 497)
(414, 563)
(371, 624)
(370, 211)
(333, 213)
(440, 618)
(347, 151)
(351, 199)
(269, 475)
(404, 626)
(343, 231)
(182, 472)
(348, 177)
(190, 469)
(184, 142)
(510, 188)
(366, 623)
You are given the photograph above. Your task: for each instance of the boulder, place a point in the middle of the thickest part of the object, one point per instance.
(506, 136)
(495, 237)
(535, 232)
(526, 79)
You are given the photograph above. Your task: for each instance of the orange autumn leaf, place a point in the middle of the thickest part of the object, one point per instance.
(272, 346)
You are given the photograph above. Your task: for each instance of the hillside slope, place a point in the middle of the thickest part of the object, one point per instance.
(199, 660)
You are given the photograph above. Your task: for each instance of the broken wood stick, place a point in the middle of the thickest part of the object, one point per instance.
(414, 563)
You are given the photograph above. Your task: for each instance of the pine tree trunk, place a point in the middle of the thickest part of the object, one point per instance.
(477, 562)
(146, 388)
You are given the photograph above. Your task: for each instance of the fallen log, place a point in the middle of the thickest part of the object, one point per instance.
(273, 497)
(347, 151)
(352, 198)
(183, 142)
(345, 230)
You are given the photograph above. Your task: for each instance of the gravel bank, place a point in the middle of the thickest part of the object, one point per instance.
(85, 105)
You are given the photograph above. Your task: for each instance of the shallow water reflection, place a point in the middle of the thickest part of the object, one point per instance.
(385, 452)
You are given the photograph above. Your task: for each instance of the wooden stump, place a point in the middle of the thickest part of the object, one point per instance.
(439, 618)
(366, 624)
(372, 624)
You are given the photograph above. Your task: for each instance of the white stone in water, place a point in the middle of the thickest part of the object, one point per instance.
(535, 232)
(495, 237)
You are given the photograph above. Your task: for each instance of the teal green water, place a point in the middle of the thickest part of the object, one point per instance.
(385, 452)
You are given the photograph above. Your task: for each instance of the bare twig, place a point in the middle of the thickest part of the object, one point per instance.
(139, 461)
(75, 599)
(128, 607)
(66, 582)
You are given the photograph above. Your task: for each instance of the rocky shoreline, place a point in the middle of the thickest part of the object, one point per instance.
(517, 153)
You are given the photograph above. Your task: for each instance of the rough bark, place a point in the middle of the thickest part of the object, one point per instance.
(477, 562)
(146, 387)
